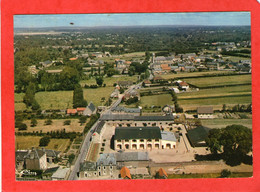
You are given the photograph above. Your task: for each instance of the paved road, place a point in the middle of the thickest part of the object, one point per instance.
(86, 143)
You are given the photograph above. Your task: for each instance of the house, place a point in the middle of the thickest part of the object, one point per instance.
(104, 167)
(71, 111)
(19, 159)
(158, 79)
(135, 138)
(51, 155)
(125, 173)
(90, 110)
(183, 85)
(205, 112)
(132, 94)
(36, 160)
(168, 108)
(73, 59)
(147, 83)
(47, 63)
(125, 84)
(115, 93)
(80, 110)
(162, 174)
(166, 68)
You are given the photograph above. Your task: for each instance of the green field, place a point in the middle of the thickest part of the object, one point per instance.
(219, 81)
(157, 100)
(208, 175)
(221, 123)
(194, 74)
(27, 142)
(63, 99)
(109, 81)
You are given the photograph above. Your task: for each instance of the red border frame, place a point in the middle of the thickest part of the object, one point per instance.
(12, 7)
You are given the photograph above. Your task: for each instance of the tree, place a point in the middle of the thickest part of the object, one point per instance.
(67, 122)
(29, 97)
(234, 141)
(225, 173)
(33, 122)
(111, 71)
(48, 122)
(44, 141)
(69, 77)
(99, 80)
(78, 97)
(21, 126)
(82, 120)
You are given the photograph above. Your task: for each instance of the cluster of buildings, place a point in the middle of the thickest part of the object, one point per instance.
(86, 111)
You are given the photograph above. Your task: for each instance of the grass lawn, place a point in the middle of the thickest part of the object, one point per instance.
(193, 74)
(208, 175)
(217, 81)
(27, 142)
(193, 103)
(221, 123)
(235, 58)
(57, 124)
(63, 99)
(109, 81)
(157, 100)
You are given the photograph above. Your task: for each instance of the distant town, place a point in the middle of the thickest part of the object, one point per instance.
(133, 102)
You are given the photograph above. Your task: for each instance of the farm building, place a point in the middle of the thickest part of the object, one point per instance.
(143, 138)
(197, 136)
(90, 110)
(205, 112)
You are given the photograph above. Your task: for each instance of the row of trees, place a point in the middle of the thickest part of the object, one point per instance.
(178, 109)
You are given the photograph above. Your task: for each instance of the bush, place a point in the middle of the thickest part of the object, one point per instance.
(44, 141)
(67, 122)
(71, 157)
(22, 126)
(225, 173)
(48, 122)
(33, 122)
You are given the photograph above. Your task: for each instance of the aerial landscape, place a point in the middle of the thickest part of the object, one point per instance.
(133, 96)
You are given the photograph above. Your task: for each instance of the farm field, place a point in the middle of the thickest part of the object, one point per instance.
(109, 81)
(219, 81)
(63, 99)
(27, 142)
(194, 74)
(157, 100)
(216, 92)
(57, 125)
(221, 123)
(216, 102)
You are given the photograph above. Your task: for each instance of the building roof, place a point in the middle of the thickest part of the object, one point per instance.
(99, 126)
(132, 156)
(203, 110)
(154, 118)
(158, 78)
(91, 106)
(35, 154)
(162, 173)
(147, 81)
(127, 110)
(117, 117)
(168, 136)
(71, 111)
(60, 173)
(20, 155)
(197, 135)
(125, 173)
(87, 166)
(51, 153)
(81, 109)
(106, 159)
(183, 83)
(137, 133)
(165, 67)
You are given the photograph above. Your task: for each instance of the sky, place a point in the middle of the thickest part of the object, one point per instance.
(132, 19)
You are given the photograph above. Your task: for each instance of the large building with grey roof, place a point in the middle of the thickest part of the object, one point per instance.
(134, 138)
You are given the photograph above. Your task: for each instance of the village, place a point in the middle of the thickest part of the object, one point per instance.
(146, 114)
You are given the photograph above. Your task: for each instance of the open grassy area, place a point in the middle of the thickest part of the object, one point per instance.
(63, 99)
(27, 142)
(57, 124)
(221, 123)
(109, 81)
(224, 91)
(193, 74)
(157, 100)
(234, 58)
(209, 175)
(193, 103)
(219, 81)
